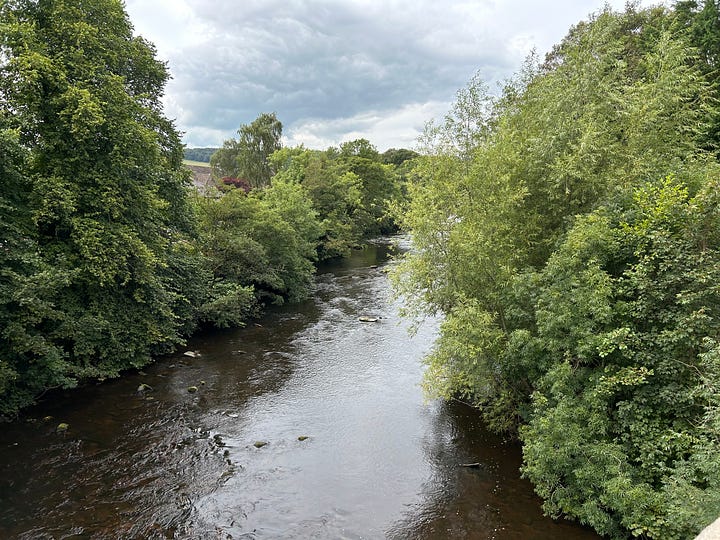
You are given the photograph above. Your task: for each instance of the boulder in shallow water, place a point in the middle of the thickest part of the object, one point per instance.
(259, 444)
(303, 438)
(62, 427)
(191, 354)
(144, 388)
(365, 318)
(192, 389)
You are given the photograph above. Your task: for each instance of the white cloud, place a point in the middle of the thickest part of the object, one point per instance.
(397, 128)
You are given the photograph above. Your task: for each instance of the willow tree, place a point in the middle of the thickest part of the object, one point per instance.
(248, 156)
(574, 254)
(103, 183)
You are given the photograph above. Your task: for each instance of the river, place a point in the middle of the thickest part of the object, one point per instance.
(213, 448)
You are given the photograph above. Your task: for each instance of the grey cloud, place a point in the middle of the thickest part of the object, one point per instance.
(314, 62)
(317, 61)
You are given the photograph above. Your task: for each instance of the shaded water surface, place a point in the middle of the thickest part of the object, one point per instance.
(378, 461)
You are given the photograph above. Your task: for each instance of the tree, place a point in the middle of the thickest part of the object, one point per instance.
(379, 186)
(248, 156)
(626, 323)
(103, 185)
(570, 238)
(260, 248)
(398, 156)
(336, 196)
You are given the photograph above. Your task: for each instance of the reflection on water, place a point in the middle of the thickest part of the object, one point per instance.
(226, 461)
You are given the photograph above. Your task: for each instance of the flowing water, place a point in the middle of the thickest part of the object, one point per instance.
(227, 460)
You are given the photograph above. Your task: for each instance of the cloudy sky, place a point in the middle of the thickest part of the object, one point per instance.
(337, 70)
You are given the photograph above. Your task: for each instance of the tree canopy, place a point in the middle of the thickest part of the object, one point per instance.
(100, 195)
(568, 231)
(249, 156)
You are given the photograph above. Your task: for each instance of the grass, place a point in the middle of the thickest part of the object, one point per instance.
(196, 163)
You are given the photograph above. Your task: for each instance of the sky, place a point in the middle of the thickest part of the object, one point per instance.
(338, 70)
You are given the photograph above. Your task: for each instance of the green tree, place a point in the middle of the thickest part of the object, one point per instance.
(103, 183)
(248, 156)
(30, 362)
(626, 318)
(379, 186)
(398, 156)
(570, 240)
(260, 248)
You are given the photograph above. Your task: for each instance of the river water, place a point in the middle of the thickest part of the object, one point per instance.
(169, 462)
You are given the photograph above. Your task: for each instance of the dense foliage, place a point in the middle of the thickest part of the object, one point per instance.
(95, 194)
(107, 257)
(351, 188)
(569, 231)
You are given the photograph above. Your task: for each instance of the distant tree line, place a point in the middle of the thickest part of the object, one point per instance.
(569, 232)
(199, 154)
(107, 257)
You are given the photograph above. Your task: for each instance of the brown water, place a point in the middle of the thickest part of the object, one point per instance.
(379, 462)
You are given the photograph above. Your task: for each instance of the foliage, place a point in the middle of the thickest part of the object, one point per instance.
(351, 190)
(624, 311)
(379, 186)
(397, 156)
(262, 242)
(100, 196)
(568, 231)
(106, 258)
(248, 156)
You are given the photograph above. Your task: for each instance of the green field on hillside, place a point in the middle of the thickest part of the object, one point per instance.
(196, 163)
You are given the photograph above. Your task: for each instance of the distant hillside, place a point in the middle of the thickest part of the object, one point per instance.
(202, 178)
(199, 154)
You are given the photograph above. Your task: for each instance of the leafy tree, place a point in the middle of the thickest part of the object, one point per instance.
(335, 196)
(30, 361)
(260, 248)
(248, 156)
(379, 186)
(397, 156)
(568, 234)
(352, 191)
(103, 187)
(624, 312)
(224, 161)
(701, 22)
